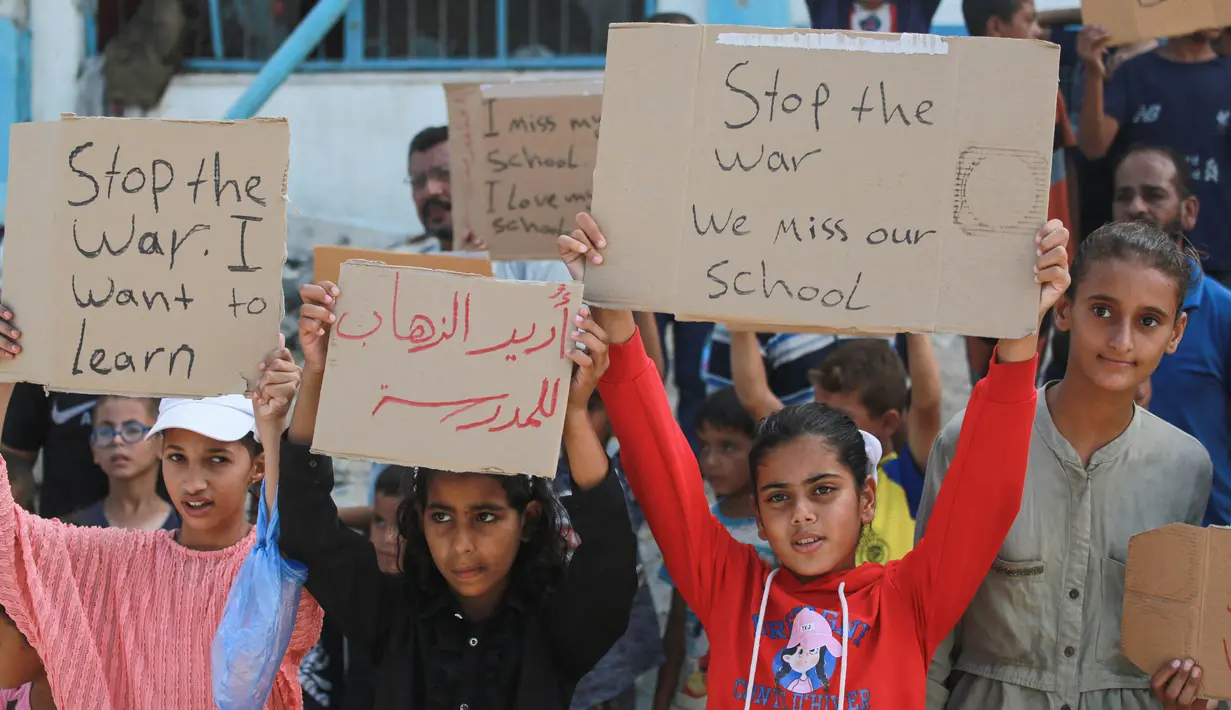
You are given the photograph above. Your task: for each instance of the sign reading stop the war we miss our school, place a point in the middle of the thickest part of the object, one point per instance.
(522, 161)
(145, 256)
(449, 371)
(824, 180)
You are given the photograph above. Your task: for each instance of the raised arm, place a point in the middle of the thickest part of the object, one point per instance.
(923, 417)
(647, 323)
(699, 553)
(749, 375)
(982, 489)
(1099, 121)
(343, 574)
(596, 598)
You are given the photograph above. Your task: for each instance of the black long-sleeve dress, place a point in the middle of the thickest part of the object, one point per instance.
(528, 656)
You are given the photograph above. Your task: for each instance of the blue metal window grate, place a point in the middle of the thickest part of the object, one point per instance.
(396, 35)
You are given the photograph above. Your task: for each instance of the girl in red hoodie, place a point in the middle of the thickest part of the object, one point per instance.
(817, 632)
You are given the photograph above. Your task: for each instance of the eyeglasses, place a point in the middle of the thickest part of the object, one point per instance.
(440, 173)
(131, 432)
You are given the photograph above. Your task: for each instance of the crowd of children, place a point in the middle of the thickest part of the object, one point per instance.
(802, 581)
(827, 540)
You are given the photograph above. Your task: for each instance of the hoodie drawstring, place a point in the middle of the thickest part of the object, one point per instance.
(846, 632)
(756, 641)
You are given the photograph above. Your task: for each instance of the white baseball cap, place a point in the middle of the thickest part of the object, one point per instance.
(228, 418)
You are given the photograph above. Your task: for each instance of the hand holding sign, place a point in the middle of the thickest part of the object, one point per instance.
(1052, 268)
(315, 319)
(1092, 44)
(9, 335)
(1176, 684)
(590, 363)
(587, 242)
(277, 387)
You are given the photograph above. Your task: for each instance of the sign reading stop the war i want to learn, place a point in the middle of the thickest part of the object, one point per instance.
(471, 373)
(145, 256)
(824, 180)
(521, 158)
(1135, 20)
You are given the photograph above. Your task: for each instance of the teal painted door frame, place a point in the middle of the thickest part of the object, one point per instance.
(14, 90)
(754, 13)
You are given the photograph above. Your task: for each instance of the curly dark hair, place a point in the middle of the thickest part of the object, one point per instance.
(541, 560)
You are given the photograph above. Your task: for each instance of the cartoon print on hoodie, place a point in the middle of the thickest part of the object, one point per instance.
(808, 661)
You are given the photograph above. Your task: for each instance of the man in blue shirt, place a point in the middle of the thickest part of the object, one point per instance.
(1178, 96)
(1192, 387)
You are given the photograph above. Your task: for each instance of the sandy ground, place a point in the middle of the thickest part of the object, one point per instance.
(353, 479)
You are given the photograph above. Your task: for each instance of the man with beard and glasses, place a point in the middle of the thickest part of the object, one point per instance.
(1192, 387)
(1178, 96)
(431, 188)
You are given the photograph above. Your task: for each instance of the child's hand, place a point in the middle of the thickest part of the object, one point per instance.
(591, 362)
(585, 241)
(472, 243)
(1091, 46)
(9, 335)
(1175, 685)
(279, 383)
(315, 320)
(1051, 269)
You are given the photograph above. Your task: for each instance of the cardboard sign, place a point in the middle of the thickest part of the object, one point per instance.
(521, 156)
(327, 261)
(1135, 20)
(1177, 602)
(145, 256)
(848, 181)
(448, 371)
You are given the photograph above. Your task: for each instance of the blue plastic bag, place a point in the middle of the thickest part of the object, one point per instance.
(257, 622)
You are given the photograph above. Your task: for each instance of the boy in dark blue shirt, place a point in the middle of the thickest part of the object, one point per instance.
(1192, 386)
(1178, 96)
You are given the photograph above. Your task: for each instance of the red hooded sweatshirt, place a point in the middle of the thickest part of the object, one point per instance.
(854, 640)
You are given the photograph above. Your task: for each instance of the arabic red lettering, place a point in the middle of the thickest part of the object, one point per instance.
(565, 296)
(1226, 652)
(513, 340)
(550, 339)
(422, 333)
(542, 408)
(462, 405)
(481, 422)
(510, 423)
(357, 336)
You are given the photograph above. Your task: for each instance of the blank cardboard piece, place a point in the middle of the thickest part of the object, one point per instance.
(449, 371)
(522, 156)
(1177, 602)
(1135, 20)
(805, 179)
(145, 256)
(327, 261)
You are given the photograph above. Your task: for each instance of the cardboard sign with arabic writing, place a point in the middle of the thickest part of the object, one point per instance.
(449, 371)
